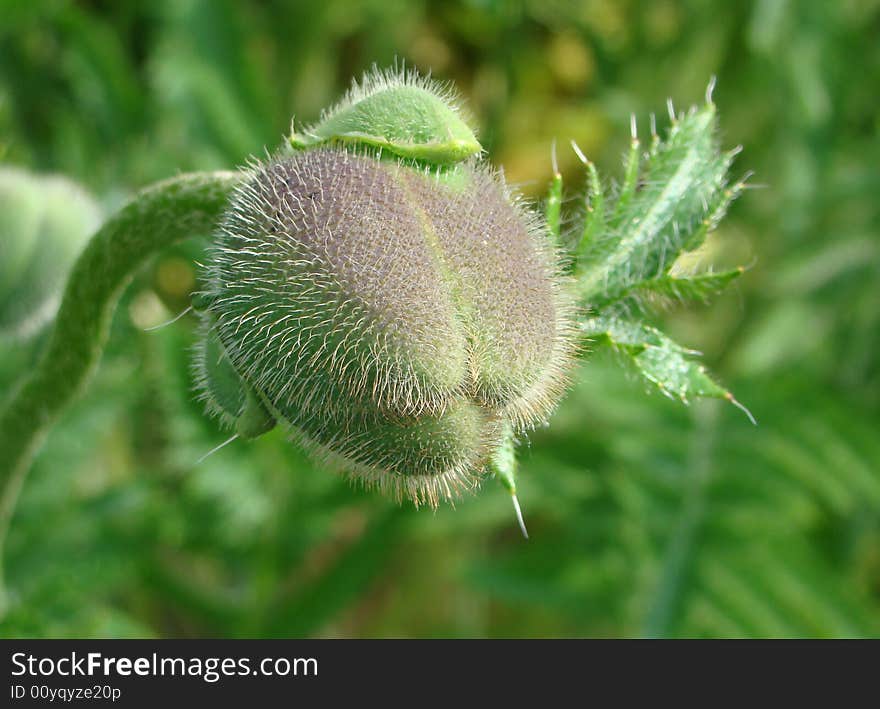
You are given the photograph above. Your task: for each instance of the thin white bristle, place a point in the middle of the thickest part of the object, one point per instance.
(710, 88)
(579, 153)
(744, 410)
(169, 322)
(216, 448)
(519, 517)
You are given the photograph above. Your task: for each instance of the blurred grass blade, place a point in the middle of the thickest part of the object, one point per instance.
(343, 582)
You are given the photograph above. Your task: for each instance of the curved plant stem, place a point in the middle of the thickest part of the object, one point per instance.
(156, 218)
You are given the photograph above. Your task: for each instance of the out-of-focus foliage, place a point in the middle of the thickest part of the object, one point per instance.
(44, 223)
(647, 517)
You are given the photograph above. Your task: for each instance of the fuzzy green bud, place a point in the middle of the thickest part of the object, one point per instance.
(396, 319)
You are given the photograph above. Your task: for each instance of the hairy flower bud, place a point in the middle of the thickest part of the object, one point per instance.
(395, 318)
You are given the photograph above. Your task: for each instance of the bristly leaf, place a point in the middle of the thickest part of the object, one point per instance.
(679, 195)
(672, 195)
(696, 288)
(657, 358)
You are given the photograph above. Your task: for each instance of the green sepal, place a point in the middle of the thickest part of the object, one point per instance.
(396, 115)
(225, 394)
(217, 383)
(255, 419)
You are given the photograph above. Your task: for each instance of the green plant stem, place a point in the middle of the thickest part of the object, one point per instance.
(159, 216)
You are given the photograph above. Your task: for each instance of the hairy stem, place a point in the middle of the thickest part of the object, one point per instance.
(156, 218)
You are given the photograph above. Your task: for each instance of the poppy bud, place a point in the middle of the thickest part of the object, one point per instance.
(395, 318)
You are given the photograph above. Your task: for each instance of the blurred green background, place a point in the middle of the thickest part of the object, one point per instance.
(648, 518)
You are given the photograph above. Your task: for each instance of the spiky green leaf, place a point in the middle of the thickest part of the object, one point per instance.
(679, 194)
(696, 288)
(656, 357)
